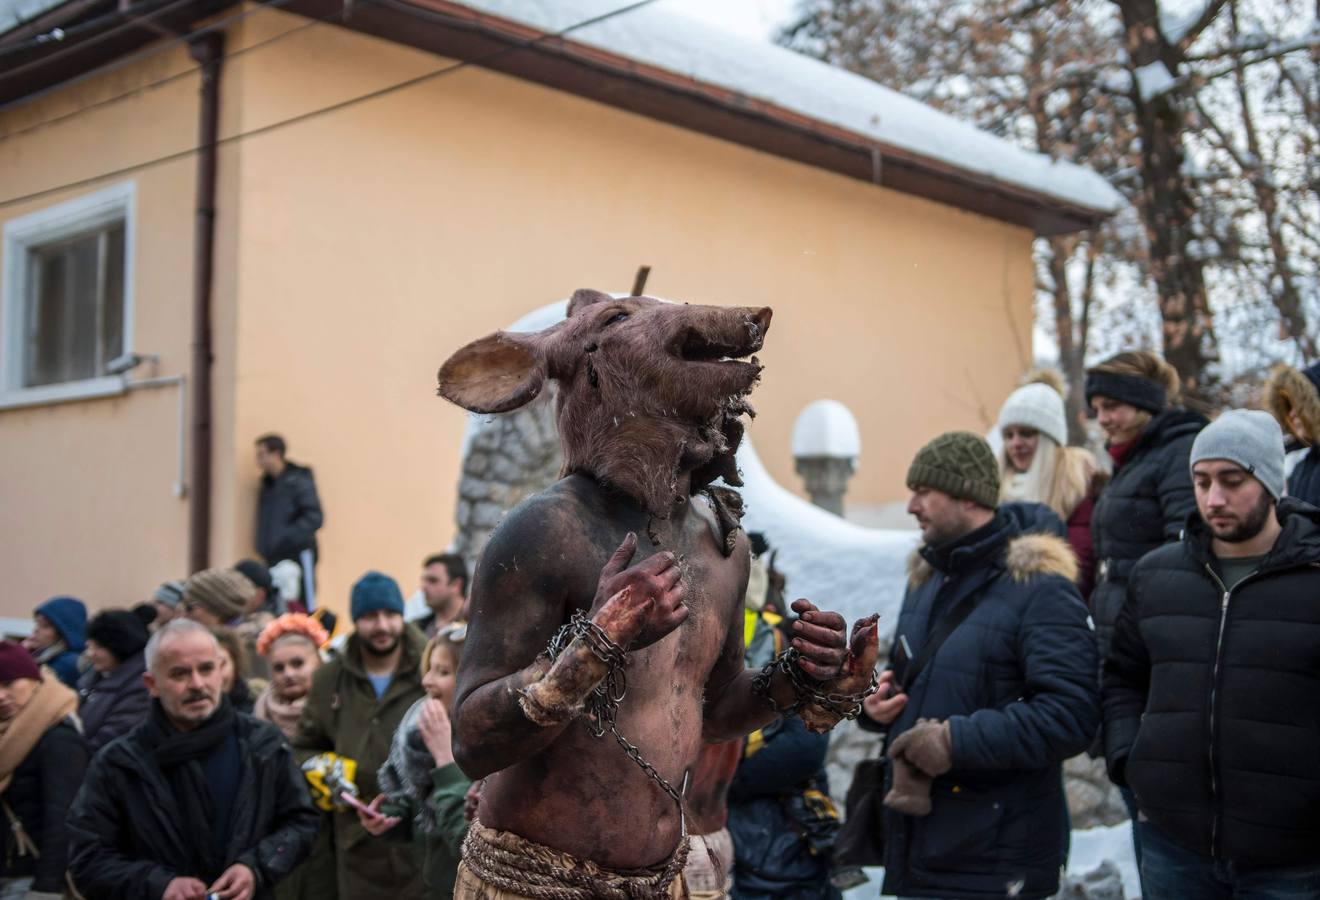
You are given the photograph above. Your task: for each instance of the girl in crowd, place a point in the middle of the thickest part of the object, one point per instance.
(422, 791)
(114, 697)
(291, 647)
(1037, 465)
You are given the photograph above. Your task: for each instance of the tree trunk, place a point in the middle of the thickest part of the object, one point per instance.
(1166, 208)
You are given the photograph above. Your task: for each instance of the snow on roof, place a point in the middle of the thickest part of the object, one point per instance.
(14, 13)
(827, 428)
(668, 39)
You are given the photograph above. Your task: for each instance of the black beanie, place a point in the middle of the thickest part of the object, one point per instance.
(119, 631)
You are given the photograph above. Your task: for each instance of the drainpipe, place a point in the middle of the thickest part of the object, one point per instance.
(208, 50)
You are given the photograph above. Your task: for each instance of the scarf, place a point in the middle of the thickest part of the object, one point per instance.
(46, 654)
(1119, 453)
(405, 778)
(49, 705)
(282, 714)
(179, 756)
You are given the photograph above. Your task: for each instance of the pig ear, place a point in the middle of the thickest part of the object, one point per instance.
(500, 372)
(584, 297)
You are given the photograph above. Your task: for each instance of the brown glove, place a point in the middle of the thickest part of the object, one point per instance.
(928, 745)
(909, 791)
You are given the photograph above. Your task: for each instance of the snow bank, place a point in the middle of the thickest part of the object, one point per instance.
(670, 40)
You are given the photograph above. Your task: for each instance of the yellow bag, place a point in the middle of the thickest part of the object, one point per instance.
(329, 775)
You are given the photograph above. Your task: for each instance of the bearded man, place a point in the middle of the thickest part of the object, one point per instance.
(355, 703)
(1212, 689)
(606, 638)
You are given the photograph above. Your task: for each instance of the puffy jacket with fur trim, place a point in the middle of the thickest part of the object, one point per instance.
(1212, 698)
(1017, 681)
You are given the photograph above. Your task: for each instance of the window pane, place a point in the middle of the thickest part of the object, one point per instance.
(81, 299)
(112, 310)
(75, 312)
(44, 313)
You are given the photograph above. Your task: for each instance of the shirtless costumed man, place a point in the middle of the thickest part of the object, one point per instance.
(623, 582)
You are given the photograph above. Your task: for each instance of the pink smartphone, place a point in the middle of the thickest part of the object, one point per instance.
(359, 805)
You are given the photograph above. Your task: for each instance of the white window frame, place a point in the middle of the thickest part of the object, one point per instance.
(47, 226)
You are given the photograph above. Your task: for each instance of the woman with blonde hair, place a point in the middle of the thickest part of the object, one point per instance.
(1036, 465)
(423, 792)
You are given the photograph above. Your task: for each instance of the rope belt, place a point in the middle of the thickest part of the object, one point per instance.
(519, 866)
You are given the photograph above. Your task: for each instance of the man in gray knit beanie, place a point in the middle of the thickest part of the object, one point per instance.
(1249, 437)
(1222, 626)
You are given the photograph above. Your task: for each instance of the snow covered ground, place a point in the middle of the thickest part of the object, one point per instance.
(1089, 849)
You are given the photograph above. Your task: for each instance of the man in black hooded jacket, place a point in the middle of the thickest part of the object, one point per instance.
(198, 800)
(1212, 688)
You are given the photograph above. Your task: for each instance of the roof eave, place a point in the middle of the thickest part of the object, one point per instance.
(457, 31)
(454, 30)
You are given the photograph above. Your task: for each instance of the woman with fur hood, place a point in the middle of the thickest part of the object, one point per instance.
(1036, 465)
(1294, 398)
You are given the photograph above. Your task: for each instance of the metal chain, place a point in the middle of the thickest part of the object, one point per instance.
(602, 704)
(806, 690)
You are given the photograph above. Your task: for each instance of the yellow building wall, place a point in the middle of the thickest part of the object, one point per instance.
(362, 247)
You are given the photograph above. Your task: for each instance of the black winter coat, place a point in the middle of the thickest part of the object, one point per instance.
(1018, 683)
(110, 705)
(288, 514)
(126, 829)
(1212, 698)
(42, 789)
(1304, 480)
(771, 858)
(1144, 506)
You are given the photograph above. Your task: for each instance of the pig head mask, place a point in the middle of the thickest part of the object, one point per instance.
(648, 390)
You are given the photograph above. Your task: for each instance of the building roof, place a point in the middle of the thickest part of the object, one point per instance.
(675, 42)
(651, 60)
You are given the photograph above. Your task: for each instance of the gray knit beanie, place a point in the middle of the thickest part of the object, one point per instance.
(1037, 406)
(1249, 437)
(960, 464)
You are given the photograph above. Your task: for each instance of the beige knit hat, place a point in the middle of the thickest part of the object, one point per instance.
(222, 592)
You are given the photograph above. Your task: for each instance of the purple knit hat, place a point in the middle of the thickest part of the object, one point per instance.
(15, 663)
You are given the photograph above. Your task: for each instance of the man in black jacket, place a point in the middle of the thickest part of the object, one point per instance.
(978, 734)
(198, 800)
(1212, 690)
(288, 512)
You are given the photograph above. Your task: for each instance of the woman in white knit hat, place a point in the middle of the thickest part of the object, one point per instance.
(1037, 465)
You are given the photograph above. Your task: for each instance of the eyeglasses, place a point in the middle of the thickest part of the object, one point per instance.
(456, 632)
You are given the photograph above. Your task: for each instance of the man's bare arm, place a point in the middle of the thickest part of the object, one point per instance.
(735, 708)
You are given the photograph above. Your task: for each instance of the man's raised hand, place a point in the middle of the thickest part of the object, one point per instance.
(638, 605)
(821, 639)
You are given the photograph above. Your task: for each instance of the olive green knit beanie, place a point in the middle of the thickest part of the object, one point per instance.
(960, 464)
